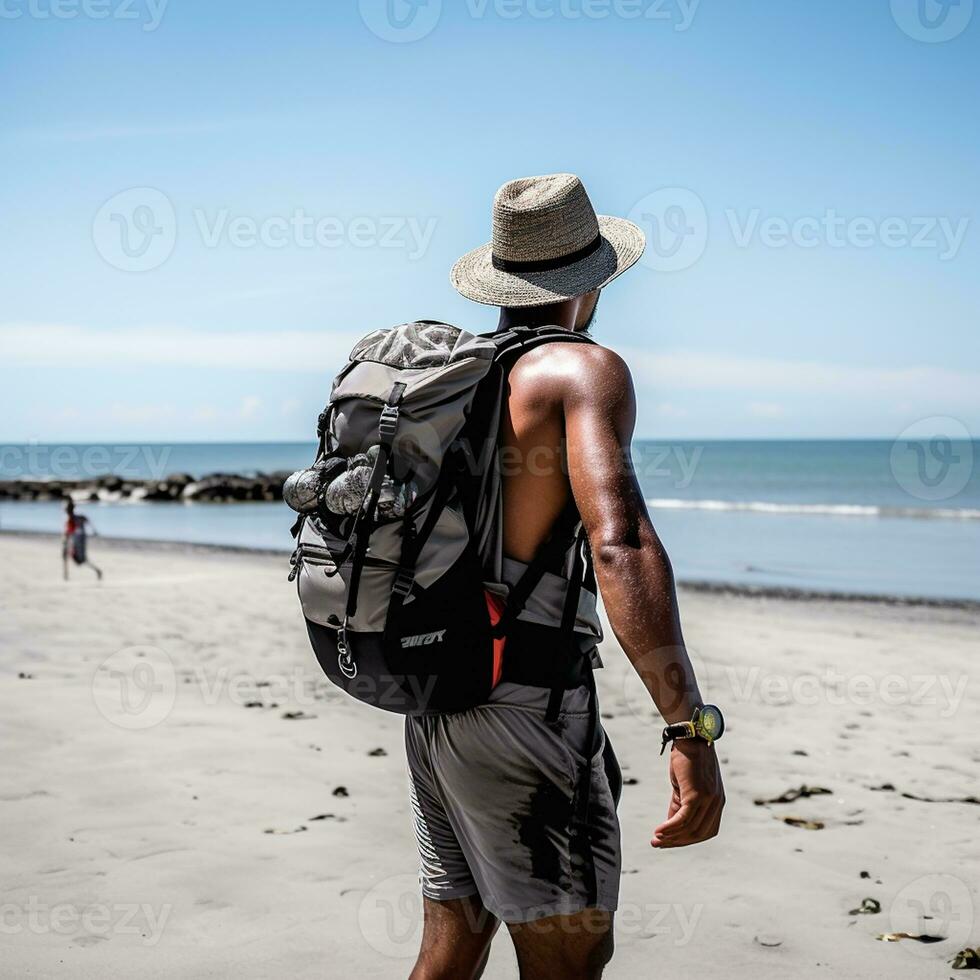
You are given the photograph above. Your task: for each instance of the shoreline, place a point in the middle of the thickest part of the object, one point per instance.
(701, 586)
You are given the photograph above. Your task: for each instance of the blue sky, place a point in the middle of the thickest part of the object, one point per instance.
(204, 204)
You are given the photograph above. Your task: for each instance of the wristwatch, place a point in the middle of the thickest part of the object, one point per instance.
(707, 723)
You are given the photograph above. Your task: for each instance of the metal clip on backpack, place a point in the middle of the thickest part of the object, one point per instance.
(396, 514)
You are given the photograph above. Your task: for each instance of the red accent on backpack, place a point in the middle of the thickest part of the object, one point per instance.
(495, 606)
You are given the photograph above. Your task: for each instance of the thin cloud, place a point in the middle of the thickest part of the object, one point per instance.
(40, 345)
(96, 133)
(768, 383)
(697, 371)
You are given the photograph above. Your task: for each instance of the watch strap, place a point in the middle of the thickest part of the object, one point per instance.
(680, 729)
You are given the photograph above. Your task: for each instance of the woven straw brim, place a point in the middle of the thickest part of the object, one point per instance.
(476, 278)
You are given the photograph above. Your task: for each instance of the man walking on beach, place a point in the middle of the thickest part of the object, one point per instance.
(74, 543)
(491, 786)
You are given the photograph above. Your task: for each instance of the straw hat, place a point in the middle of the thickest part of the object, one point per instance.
(548, 245)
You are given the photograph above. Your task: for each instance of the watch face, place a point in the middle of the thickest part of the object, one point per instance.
(711, 724)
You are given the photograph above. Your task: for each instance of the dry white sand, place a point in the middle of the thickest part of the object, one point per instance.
(150, 747)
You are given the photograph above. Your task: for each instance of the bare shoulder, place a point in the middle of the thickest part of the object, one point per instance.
(573, 371)
(575, 365)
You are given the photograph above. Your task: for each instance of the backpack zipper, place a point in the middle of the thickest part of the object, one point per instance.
(312, 554)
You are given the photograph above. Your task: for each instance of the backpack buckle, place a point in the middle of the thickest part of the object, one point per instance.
(388, 423)
(345, 661)
(347, 666)
(403, 583)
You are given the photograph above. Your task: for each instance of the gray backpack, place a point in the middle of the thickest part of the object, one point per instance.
(397, 560)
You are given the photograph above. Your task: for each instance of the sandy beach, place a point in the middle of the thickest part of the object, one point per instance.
(183, 794)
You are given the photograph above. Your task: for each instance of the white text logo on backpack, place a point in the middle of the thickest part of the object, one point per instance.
(423, 639)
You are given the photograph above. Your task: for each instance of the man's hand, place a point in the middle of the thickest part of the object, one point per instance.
(695, 808)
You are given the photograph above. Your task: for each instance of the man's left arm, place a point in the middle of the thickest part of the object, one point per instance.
(636, 580)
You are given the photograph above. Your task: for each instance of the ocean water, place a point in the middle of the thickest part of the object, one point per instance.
(874, 517)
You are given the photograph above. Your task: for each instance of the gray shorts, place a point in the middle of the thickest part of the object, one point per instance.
(492, 792)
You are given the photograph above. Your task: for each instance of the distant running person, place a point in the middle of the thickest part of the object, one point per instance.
(74, 545)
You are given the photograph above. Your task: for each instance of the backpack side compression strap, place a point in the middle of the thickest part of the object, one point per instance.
(567, 629)
(357, 543)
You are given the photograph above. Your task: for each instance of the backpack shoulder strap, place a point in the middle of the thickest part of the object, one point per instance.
(480, 485)
(514, 341)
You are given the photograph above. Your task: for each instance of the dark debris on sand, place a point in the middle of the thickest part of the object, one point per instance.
(791, 795)
(803, 823)
(967, 959)
(890, 788)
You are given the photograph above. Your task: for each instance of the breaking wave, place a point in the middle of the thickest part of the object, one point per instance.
(818, 510)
